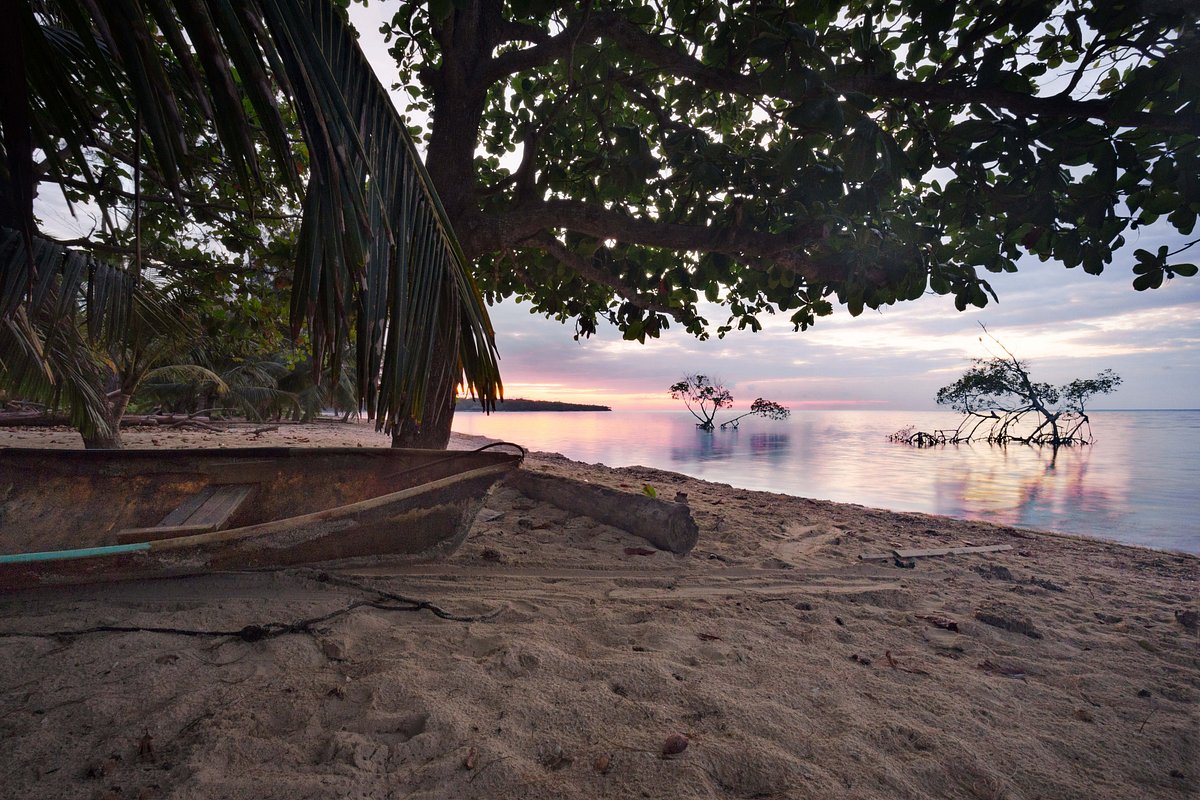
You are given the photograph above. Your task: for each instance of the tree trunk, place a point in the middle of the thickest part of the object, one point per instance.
(111, 440)
(467, 39)
(10, 215)
(101, 442)
(432, 431)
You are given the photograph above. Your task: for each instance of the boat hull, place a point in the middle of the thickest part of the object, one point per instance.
(350, 503)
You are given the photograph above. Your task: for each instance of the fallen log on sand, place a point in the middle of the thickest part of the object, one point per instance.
(667, 526)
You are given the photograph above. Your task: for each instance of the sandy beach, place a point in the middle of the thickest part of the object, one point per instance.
(769, 662)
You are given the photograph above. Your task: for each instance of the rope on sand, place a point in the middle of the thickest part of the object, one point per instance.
(271, 630)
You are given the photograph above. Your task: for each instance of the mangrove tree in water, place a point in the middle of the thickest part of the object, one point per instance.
(704, 396)
(1002, 404)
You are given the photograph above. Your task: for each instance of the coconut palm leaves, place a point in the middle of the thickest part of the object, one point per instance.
(43, 353)
(376, 254)
(56, 349)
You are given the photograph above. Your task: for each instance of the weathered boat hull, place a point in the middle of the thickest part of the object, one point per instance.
(67, 512)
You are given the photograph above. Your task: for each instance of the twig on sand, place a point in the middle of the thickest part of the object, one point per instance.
(206, 715)
(418, 605)
(192, 423)
(482, 769)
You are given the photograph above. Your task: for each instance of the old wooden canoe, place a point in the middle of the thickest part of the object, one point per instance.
(82, 516)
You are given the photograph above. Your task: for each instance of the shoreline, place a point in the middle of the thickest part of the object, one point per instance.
(792, 668)
(1131, 486)
(361, 433)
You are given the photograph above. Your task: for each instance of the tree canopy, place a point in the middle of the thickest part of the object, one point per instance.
(998, 394)
(781, 157)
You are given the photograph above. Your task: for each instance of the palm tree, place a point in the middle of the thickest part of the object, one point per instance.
(375, 256)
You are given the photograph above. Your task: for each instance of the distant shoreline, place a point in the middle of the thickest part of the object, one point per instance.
(521, 404)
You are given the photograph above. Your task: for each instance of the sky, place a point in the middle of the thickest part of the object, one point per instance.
(1066, 323)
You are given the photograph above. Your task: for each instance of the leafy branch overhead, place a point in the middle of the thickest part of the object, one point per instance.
(783, 157)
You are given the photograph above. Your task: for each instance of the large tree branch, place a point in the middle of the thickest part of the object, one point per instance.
(493, 232)
(588, 270)
(546, 50)
(637, 41)
(511, 31)
(514, 61)
(1055, 107)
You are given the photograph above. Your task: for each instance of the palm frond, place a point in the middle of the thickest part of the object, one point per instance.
(52, 364)
(188, 375)
(258, 402)
(259, 372)
(409, 278)
(376, 252)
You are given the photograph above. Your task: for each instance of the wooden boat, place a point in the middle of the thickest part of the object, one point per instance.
(71, 516)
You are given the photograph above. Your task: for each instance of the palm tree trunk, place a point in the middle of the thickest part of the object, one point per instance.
(112, 439)
(432, 431)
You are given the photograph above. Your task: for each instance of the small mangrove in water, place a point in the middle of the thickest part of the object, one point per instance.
(1002, 404)
(704, 396)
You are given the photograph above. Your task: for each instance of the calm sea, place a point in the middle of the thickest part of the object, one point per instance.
(1136, 484)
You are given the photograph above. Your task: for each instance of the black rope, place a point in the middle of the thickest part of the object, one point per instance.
(271, 630)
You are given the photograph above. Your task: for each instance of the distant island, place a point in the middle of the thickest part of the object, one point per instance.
(521, 404)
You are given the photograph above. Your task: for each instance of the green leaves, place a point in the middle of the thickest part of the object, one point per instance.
(868, 151)
(1152, 269)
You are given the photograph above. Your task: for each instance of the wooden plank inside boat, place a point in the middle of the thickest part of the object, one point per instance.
(217, 510)
(209, 509)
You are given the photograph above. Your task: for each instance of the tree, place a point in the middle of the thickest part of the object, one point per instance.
(150, 337)
(158, 88)
(781, 157)
(759, 408)
(704, 396)
(1002, 404)
(997, 395)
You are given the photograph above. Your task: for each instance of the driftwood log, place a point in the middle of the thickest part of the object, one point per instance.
(667, 526)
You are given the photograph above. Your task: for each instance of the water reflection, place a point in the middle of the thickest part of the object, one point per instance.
(705, 446)
(1130, 486)
(1028, 487)
(770, 444)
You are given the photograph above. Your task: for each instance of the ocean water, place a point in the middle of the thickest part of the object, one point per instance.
(1136, 484)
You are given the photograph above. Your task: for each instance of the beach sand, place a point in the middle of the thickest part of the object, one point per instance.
(792, 668)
